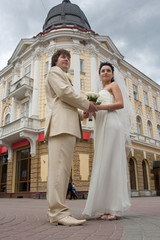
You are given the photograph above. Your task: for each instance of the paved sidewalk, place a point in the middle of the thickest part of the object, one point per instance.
(25, 219)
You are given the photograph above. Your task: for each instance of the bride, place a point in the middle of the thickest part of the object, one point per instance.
(108, 195)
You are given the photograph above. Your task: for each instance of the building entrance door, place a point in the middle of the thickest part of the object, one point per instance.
(156, 172)
(23, 166)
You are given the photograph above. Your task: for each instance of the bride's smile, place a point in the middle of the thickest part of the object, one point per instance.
(106, 75)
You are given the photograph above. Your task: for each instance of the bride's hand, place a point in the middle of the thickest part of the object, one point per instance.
(98, 107)
(85, 114)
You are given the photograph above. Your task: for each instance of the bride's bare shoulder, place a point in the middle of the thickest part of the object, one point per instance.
(114, 84)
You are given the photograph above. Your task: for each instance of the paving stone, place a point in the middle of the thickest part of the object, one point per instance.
(25, 219)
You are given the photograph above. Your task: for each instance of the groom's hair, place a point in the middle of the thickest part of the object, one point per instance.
(57, 54)
(107, 64)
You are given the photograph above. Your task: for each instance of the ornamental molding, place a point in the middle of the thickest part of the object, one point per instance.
(92, 50)
(150, 89)
(28, 93)
(158, 94)
(115, 63)
(76, 49)
(149, 117)
(145, 88)
(32, 138)
(139, 113)
(16, 67)
(140, 82)
(50, 51)
(37, 56)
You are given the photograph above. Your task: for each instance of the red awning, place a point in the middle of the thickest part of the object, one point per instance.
(22, 143)
(3, 150)
(41, 138)
(86, 135)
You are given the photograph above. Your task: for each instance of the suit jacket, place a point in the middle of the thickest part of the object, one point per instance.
(62, 105)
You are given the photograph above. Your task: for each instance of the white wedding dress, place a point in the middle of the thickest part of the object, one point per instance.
(109, 186)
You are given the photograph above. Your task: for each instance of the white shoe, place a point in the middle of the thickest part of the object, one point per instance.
(69, 221)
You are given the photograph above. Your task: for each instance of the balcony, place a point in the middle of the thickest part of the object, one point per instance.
(12, 130)
(21, 88)
(146, 140)
(23, 128)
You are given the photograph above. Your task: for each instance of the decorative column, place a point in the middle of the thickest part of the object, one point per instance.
(16, 72)
(76, 63)
(13, 109)
(34, 110)
(94, 74)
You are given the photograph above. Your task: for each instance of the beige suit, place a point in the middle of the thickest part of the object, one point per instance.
(62, 128)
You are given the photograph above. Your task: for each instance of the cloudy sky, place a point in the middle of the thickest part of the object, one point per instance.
(132, 25)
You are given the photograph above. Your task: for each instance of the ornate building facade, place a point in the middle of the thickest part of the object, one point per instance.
(23, 152)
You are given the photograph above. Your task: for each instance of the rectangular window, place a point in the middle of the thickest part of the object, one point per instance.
(154, 103)
(135, 92)
(145, 98)
(28, 71)
(81, 66)
(25, 109)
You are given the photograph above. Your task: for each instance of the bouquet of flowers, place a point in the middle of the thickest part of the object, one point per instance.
(94, 97)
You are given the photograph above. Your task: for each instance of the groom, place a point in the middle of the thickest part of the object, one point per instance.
(61, 130)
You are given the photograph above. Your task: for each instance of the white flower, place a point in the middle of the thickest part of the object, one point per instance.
(92, 96)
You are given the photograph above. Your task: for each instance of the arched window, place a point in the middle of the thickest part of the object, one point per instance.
(145, 178)
(7, 119)
(139, 125)
(149, 127)
(158, 129)
(132, 174)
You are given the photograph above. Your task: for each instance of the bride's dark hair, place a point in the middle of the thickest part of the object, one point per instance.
(107, 64)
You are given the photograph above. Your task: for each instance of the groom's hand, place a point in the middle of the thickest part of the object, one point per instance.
(85, 114)
(92, 107)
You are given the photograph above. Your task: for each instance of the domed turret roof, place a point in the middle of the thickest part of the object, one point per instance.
(66, 14)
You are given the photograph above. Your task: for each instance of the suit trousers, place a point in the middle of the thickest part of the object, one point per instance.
(60, 154)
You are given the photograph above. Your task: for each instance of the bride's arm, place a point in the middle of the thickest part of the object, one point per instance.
(118, 104)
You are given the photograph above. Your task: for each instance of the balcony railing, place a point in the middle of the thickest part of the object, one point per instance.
(19, 89)
(19, 125)
(146, 139)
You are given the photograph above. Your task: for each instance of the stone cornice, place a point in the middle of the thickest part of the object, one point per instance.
(139, 74)
(146, 145)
